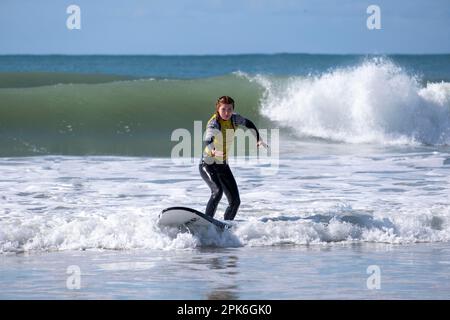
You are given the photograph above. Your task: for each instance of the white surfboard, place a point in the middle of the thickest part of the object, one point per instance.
(187, 217)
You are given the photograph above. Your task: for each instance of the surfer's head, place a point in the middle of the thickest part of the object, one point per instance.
(225, 107)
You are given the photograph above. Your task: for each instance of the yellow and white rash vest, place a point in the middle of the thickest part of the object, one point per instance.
(220, 135)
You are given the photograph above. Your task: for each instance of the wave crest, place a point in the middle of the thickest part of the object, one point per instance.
(374, 102)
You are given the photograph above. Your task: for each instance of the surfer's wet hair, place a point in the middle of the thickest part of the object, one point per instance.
(225, 100)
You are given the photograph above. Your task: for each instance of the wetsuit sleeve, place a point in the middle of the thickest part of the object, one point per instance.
(250, 125)
(211, 129)
(241, 121)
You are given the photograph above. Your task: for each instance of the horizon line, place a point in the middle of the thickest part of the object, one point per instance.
(214, 54)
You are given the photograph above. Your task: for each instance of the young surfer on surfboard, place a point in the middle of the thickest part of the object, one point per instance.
(214, 167)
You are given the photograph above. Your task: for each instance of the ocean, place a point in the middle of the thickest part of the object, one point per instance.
(356, 178)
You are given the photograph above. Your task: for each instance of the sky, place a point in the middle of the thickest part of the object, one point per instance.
(201, 27)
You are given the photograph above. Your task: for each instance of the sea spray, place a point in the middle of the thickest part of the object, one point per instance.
(374, 102)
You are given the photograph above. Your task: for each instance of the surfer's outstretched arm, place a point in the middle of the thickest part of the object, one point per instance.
(250, 125)
(212, 129)
(240, 120)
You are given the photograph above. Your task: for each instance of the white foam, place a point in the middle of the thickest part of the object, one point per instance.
(73, 203)
(374, 102)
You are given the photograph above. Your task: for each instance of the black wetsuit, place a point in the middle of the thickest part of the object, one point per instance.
(220, 179)
(218, 175)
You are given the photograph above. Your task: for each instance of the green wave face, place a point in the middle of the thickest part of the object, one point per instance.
(127, 117)
(37, 79)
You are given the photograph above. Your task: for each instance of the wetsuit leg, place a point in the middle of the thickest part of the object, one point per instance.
(231, 191)
(209, 174)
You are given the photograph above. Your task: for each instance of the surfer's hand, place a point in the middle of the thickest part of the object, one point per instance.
(262, 143)
(217, 153)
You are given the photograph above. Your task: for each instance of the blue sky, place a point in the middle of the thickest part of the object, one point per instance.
(224, 27)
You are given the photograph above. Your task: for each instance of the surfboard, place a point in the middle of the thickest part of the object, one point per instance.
(187, 217)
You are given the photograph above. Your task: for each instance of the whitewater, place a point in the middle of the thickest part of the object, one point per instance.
(72, 203)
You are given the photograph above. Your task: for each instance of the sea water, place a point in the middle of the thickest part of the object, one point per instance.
(362, 182)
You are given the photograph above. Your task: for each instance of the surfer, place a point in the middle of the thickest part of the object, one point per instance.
(214, 167)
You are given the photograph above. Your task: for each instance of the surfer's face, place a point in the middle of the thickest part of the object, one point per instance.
(225, 111)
